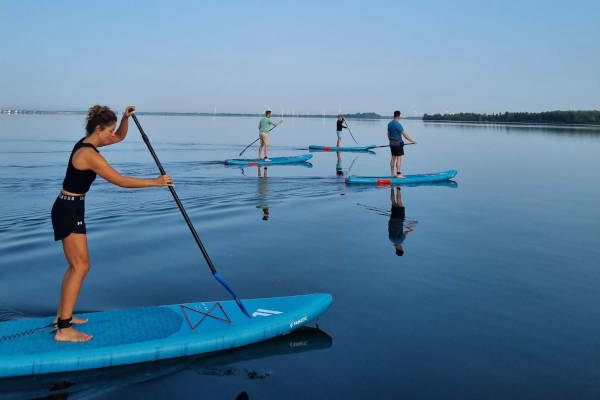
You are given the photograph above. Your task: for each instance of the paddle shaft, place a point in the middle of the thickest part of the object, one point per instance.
(174, 193)
(246, 148)
(349, 130)
(188, 221)
(387, 145)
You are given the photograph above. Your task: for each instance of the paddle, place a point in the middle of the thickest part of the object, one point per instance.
(387, 145)
(347, 127)
(246, 148)
(189, 223)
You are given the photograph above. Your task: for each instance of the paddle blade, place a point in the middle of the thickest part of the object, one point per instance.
(235, 297)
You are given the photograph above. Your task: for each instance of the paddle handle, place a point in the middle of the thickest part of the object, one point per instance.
(174, 193)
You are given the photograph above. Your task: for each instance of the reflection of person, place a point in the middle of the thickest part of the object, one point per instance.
(338, 165)
(395, 133)
(339, 126)
(396, 231)
(262, 192)
(68, 211)
(264, 126)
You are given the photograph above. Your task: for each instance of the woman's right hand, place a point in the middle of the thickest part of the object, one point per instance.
(163, 180)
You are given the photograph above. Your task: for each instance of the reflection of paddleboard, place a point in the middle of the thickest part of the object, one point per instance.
(152, 333)
(274, 160)
(334, 148)
(419, 178)
(98, 381)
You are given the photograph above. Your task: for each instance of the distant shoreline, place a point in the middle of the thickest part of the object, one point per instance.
(365, 116)
(562, 125)
(557, 117)
(446, 118)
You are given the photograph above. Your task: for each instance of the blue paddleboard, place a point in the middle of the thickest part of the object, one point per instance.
(274, 160)
(419, 178)
(144, 334)
(81, 384)
(334, 148)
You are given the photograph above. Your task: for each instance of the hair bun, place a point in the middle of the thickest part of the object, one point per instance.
(99, 115)
(97, 110)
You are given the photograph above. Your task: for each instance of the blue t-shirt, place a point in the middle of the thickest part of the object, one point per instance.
(395, 130)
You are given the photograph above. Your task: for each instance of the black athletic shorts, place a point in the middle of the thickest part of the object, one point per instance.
(397, 150)
(68, 216)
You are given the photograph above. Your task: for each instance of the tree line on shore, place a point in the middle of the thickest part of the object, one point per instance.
(547, 117)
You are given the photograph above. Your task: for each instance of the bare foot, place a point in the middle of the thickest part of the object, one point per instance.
(74, 321)
(267, 159)
(71, 335)
(400, 176)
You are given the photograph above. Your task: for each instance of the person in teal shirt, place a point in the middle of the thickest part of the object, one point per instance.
(264, 126)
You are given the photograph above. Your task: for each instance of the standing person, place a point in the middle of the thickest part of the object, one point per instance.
(264, 126)
(340, 125)
(395, 133)
(68, 210)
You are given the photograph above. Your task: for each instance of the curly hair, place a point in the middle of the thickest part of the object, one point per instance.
(99, 115)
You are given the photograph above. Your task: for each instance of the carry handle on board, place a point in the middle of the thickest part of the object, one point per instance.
(189, 222)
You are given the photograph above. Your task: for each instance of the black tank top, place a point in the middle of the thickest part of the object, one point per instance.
(77, 180)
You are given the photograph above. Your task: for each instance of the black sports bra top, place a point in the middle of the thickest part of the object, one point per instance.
(77, 180)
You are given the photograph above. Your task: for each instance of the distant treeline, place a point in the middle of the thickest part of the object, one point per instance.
(367, 115)
(547, 117)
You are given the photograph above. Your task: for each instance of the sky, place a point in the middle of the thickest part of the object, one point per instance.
(301, 56)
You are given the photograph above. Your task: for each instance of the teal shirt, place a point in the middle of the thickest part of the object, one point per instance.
(265, 125)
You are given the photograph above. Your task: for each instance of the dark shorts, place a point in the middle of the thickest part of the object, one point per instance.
(397, 150)
(68, 216)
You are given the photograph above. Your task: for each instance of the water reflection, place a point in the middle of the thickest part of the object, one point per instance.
(566, 130)
(262, 191)
(396, 228)
(99, 382)
(338, 165)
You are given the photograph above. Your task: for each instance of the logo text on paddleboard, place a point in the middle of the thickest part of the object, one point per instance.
(298, 322)
(261, 312)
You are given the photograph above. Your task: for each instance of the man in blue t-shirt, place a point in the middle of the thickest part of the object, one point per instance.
(395, 133)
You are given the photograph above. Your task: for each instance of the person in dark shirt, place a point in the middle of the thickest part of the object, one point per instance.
(68, 211)
(340, 125)
(396, 232)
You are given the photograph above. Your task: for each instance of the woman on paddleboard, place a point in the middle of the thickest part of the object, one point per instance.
(68, 211)
(338, 129)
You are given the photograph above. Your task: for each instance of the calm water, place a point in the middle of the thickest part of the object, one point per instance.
(495, 296)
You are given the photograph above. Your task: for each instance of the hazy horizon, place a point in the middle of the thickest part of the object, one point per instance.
(305, 58)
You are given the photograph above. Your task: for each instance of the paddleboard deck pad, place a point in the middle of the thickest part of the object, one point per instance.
(419, 178)
(274, 160)
(145, 334)
(334, 148)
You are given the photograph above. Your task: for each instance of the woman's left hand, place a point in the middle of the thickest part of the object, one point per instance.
(129, 111)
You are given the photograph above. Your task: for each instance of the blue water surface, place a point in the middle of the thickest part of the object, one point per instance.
(495, 296)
